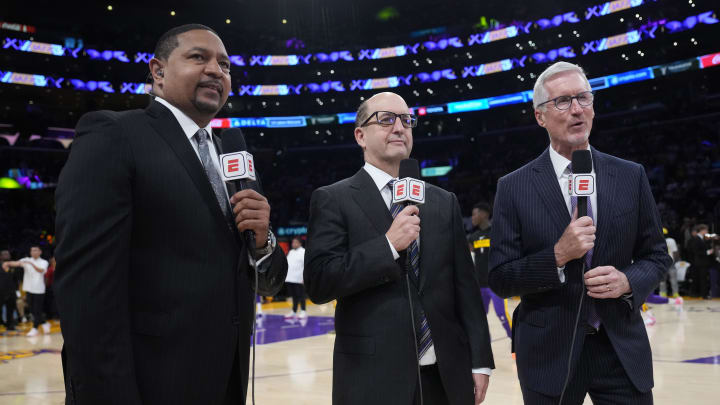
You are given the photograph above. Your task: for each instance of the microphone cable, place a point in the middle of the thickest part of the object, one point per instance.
(572, 344)
(412, 322)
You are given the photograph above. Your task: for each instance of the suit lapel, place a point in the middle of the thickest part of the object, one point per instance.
(606, 183)
(368, 197)
(169, 129)
(546, 183)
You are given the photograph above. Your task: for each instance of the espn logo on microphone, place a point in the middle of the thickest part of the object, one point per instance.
(237, 166)
(408, 190)
(582, 185)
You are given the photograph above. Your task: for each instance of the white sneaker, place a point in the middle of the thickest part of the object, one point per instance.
(46, 328)
(303, 315)
(33, 332)
(289, 315)
(678, 301)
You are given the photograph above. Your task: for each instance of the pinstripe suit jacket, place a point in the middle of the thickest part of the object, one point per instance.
(530, 216)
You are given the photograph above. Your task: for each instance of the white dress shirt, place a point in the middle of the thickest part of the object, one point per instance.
(562, 172)
(190, 128)
(381, 179)
(296, 264)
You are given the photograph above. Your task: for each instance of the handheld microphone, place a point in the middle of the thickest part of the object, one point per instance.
(408, 189)
(238, 167)
(582, 182)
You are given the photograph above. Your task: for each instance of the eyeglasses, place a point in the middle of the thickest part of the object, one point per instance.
(564, 102)
(387, 118)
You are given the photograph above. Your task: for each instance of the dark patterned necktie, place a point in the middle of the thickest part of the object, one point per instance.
(201, 136)
(421, 322)
(593, 318)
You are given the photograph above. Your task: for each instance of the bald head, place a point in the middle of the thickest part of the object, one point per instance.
(369, 106)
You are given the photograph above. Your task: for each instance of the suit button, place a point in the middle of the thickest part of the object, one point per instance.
(236, 320)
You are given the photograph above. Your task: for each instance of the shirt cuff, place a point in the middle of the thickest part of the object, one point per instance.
(396, 255)
(561, 274)
(483, 370)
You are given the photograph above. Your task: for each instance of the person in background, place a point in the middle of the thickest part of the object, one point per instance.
(294, 279)
(50, 307)
(479, 240)
(7, 292)
(34, 286)
(700, 255)
(672, 271)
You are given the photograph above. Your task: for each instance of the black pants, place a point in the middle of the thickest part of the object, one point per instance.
(600, 374)
(702, 282)
(297, 291)
(432, 388)
(10, 304)
(35, 302)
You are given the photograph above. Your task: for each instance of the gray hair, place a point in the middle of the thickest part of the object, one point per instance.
(540, 93)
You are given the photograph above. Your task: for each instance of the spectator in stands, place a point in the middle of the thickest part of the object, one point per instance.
(7, 291)
(700, 254)
(34, 286)
(294, 279)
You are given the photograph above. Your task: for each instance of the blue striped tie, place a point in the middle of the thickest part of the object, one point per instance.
(421, 322)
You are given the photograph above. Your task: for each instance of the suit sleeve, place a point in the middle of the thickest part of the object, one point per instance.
(650, 255)
(468, 296)
(94, 217)
(333, 269)
(512, 273)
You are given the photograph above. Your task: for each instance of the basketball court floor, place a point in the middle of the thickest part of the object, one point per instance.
(294, 359)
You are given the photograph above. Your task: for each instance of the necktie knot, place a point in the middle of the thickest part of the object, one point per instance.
(201, 136)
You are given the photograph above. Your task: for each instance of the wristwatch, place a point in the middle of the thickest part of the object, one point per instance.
(269, 245)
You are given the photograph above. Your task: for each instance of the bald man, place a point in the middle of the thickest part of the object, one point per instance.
(356, 255)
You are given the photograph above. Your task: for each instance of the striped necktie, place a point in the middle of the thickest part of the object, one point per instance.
(421, 323)
(201, 136)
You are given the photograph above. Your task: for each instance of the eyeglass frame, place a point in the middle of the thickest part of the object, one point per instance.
(575, 97)
(377, 119)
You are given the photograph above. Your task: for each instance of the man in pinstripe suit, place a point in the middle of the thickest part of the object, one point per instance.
(540, 248)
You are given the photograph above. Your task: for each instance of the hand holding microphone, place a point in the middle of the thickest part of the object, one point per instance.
(250, 209)
(252, 212)
(578, 239)
(405, 228)
(579, 236)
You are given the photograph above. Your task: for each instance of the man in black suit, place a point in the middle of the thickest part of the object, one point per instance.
(539, 253)
(353, 256)
(148, 241)
(700, 255)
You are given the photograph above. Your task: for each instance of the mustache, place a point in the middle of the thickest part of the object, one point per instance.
(211, 83)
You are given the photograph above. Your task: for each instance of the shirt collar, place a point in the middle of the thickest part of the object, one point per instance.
(379, 177)
(188, 126)
(560, 163)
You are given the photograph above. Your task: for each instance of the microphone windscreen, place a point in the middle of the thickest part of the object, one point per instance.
(233, 140)
(409, 168)
(581, 161)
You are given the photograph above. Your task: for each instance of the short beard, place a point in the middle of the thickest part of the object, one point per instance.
(206, 108)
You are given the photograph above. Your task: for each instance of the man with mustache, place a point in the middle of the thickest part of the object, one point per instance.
(540, 249)
(357, 244)
(149, 239)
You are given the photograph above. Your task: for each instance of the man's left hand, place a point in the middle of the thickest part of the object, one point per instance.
(481, 384)
(252, 212)
(606, 282)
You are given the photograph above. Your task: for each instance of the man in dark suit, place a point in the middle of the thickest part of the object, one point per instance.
(353, 256)
(148, 241)
(540, 249)
(700, 255)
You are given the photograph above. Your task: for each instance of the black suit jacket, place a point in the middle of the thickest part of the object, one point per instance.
(348, 258)
(530, 216)
(697, 252)
(152, 282)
